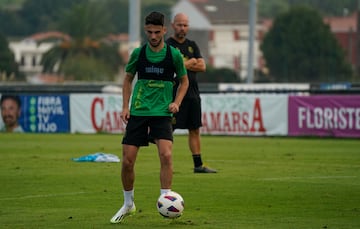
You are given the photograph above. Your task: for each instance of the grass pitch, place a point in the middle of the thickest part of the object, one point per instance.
(263, 182)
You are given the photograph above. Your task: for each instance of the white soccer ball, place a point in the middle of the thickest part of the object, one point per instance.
(170, 205)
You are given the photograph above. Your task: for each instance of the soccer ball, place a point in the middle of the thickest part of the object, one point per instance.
(170, 205)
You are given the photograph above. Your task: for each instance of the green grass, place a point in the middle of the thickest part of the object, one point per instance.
(263, 182)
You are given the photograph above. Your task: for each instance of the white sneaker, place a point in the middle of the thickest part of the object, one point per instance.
(122, 213)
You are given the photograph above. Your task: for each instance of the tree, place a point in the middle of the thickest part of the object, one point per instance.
(11, 24)
(329, 7)
(119, 13)
(8, 67)
(301, 48)
(272, 8)
(218, 75)
(164, 7)
(41, 15)
(86, 26)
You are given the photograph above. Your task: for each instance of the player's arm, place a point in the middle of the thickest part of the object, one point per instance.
(127, 84)
(181, 74)
(195, 65)
(126, 93)
(181, 91)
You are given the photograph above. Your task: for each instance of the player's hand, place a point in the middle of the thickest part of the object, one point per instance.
(190, 63)
(125, 115)
(173, 108)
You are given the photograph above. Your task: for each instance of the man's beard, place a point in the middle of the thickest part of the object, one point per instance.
(181, 35)
(155, 44)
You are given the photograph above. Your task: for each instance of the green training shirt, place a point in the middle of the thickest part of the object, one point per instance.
(151, 96)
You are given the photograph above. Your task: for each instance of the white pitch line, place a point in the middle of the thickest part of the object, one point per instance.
(302, 178)
(43, 196)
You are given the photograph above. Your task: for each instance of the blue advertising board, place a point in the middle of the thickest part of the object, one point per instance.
(45, 113)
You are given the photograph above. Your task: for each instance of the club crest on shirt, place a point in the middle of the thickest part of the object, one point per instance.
(190, 49)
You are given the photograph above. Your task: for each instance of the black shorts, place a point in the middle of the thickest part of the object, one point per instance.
(189, 115)
(140, 130)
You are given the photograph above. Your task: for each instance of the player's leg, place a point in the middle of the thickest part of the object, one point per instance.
(166, 166)
(161, 132)
(136, 136)
(128, 178)
(128, 164)
(194, 141)
(194, 123)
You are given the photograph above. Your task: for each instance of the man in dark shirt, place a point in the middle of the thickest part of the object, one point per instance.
(189, 116)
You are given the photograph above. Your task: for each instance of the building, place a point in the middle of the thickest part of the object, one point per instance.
(345, 31)
(29, 52)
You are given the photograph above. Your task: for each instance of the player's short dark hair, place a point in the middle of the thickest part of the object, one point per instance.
(154, 18)
(16, 98)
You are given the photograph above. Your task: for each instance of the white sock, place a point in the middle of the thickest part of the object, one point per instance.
(128, 197)
(162, 191)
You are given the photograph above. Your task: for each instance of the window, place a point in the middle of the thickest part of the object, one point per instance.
(236, 35)
(211, 61)
(212, 35)
(34, 61)
(22, 60)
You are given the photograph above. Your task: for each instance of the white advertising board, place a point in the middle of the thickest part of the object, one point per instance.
(222, 114)
(93, 113)
(244, 114)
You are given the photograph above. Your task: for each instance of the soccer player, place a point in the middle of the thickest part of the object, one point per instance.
(189, 116)
(152, 107)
